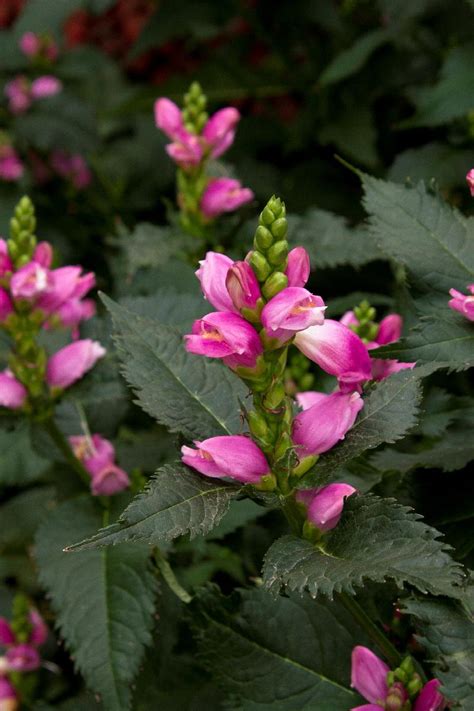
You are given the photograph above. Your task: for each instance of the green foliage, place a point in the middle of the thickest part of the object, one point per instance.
(184, 392)
(446, 631)
(376, 540)
(19, 463)
(22, 514)
(300, 647)
(103, 600)
(351, 60)
(175, 501)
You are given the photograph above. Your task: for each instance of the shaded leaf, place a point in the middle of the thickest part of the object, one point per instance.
(19, 463)
(352, 59)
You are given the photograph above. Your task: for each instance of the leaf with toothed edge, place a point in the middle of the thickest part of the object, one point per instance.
(176, 501)
(376, 539)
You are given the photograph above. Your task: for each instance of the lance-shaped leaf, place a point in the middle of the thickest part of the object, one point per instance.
(175, 501)
(352, 59)
(184, 392)
(389, 411)
(376, 539)
(434, 240)
(285, 653)
(446, 631)
(104, 600)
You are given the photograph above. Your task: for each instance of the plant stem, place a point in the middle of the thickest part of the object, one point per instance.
(167, 572)
(391, 654)
(62, 444)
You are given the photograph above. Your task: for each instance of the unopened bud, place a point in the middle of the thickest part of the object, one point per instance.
(275, 283)
(279, 228)
(267, 216)
(275, 396)
(278, 253)
(260, 265)
(266, 483)
(257, 425)
(304, 465)
(283, 445)
(263, 238)
(414, 685)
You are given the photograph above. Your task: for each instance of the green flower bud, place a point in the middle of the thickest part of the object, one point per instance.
(283, 445)
(278, 253)
(275, 283)
(306, 381)
(257, 424)
(407, 665)
(260, 265)
(414, 686)
(263, 238)
(304, 465)
(267, 216)
(274, 397)
(280, 228)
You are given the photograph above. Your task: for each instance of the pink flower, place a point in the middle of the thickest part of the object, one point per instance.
(325, 504)
(71, 167)
(338, 351)
(470, 180)
(225, 335)
(6, 306)
(462, 303)
(22, 658)
(298, 267)
(369, 676)
(219, 131)
(169, 119)
(73, 312)
(39, 630)
(212, 274)
(234, 456)
(186, 148)
(224, 195)
(43, 254)
(18, 94)
(8, 695)
(11, 167)
(7, 635)
(6, 264)
(187, 152)
(110, 480)
(30, 44)
(325, 421)
(65, 284)
(12, 393)
(29, 282)
(45, 86)
(72, 362)
(291, 310)
(390, 330)
(98, 456)
(429, 698)
(242, 286)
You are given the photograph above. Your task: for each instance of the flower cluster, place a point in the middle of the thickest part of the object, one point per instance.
(38, 47)
(98, 457)
(262, 308)
(399, 690)
(20, 639)
(195, 139)
(34, 296)
(22, 93)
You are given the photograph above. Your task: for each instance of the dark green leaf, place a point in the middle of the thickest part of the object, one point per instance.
(351, 60)
(22, 514)
(19, 463)
(103, 600)
(175, 501)
(437, 161)
(376, 539)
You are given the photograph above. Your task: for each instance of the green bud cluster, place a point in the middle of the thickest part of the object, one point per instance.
(20, 622)
(22, 242)
(194, 112)
(366, 329)
(270, 248)
(407, 675)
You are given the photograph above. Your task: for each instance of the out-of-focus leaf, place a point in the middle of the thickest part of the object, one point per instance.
(351, 60)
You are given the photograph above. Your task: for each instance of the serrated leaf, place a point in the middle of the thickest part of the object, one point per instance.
(352, 59)
(184, 392)
(22, 514)
(376, 539)
(175, 501)
(104, 600)
(447, 633)
(438, 161)
(330, 241)
(153, 245)
(389, 411)
(433, 240)
(281, 654)
(169, 306)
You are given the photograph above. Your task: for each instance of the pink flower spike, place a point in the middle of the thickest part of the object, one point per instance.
(7, 636)
(325, 505)
(11, 167)
(169, 119)
(338, 351)
(30, 44)
(29, 282)
(8, 695)
(429, 698)
(212, 274)
(325, 422)
(72, 362)
(231, 456)
(242, 286)
(224, 195)
(45, 86)
(298, 267)
(470, 180)
(219, 131)
(23, 658)
(12, 393)
(225, 335)
(109, 480)
(39, 630)
(291, 310)
(6, 306)
(43, 254)
(462, 302)
(369, 675)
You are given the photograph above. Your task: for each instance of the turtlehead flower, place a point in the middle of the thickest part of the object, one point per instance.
(219, 131)
(325, 504)
(43, 254)
(325, 420)
(71, 167)
(224, 195)
(12, 393)
(11, 167)
(32, 46)
(45, 86)
(234, 456)
(212, 274)
(242, 286)
(390, 330)
(29, 282)
(338, 351)
(18, 94)
(462, 302)
(470, 180)
(227, 336)
(292, 310)
(22, 658)
(98, 456)
(429, 698)
(72, 362)
(6, 264)
(298, 267)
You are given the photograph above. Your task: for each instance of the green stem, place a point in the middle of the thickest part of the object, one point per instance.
(62, 444)
(391, 654)
(168, 575)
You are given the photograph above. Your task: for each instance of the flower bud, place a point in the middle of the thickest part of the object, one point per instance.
(30, 44)
(430, 698)
(22, 658)
(6, 306)
(231, 456)
(276, 282)
(291, 310)
(12, 393)
(257, 425)
(462, 303)
(280, 228)
(369, 674)
(263, 238)
(298, 267)
(259, 264)
(242, 286)
(224, 195)
(325, 504)
(470, 180)
(168, 118)
(274, 397)
(212, 274)
(39, 630)
(45, 86)
(219, 131)
(278, 253)
(225, 335)
(267, 216)
(72, 362)
(7, 636)
(29, 281)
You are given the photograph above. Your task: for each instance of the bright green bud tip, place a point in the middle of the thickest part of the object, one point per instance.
(280, 228)
(260, 265)
(274, 284)
(267, 483)
(304, 465)
(257, 424)
(407, 665)
(263, 238)
(267, 216)
(414, 686)
(278, 252)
